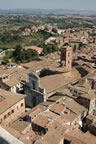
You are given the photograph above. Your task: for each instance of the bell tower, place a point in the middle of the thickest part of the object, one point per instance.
(66, 57)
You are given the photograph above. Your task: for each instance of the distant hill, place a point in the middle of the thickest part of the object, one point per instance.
(46, 11)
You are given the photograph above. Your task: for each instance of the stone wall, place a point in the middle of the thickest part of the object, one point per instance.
(13, 113)
(33, 97)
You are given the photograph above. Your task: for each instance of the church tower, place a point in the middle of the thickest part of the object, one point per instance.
(66, 57)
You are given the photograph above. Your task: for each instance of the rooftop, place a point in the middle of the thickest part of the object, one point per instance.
(55, 98)
(73, 140)
(38, 49)
(53, 82)
(20, 125)
(52, 137)
(87, 137)
(41, 121)
(57, 108)
(74, 106)
(44, 119)
(8, 138)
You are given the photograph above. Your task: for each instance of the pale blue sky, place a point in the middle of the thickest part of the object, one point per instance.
(49, 4)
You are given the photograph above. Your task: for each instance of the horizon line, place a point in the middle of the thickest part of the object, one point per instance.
(47, 9)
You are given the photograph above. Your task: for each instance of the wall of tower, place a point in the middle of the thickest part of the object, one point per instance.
(66, 57)
(69, 59)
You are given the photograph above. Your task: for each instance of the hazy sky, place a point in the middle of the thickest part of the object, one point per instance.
(49, 4)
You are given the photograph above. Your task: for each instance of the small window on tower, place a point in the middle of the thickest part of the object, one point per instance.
(68, 54)
(63, 55)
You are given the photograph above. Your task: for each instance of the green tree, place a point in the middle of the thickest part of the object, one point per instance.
(7, 56)
(18, 50)
(54, 30)
(21, 55)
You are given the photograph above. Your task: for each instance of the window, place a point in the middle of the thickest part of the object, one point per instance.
(5, 117)
(8, 113)
(22, 104)
(12, 111)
